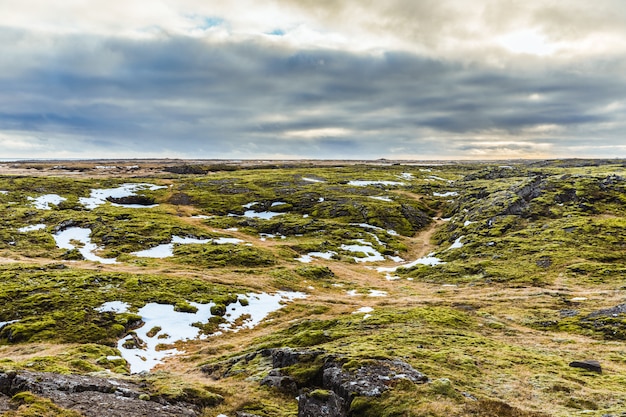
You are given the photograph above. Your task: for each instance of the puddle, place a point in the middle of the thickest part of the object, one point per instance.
(167, 326)
(360, 183)
(98, 196)
(43, 202)
(31, 228)
(309, 256)
(166, 250)
(64, 240)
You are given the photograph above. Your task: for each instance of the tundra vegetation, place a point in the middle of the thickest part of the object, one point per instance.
(534, 282)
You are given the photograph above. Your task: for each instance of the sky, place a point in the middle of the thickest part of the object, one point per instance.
(315, 79)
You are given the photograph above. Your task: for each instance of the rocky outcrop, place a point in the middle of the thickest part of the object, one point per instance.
(91, 396)
(331, 384)
(342, 385)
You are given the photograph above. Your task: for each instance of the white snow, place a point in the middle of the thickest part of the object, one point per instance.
(309, 256)
(261, 214)
(64, 240)
(114, 306)
(447, 194)
(429, 260)
(278, 203)
(31, 228)
(166, 250)
(371, 254)
(43, 202)
(4, 192)
(4, 323)
(467, 223)
(457, 244)
(201, 216)
(377, 293)
(406, 176)
(369, 226)
(361, 183)
(311, 179)
(364, 310)
(381, 198)
(177, 326)
(99, 196)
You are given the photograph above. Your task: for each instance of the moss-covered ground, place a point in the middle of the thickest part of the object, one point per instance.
(537, 283)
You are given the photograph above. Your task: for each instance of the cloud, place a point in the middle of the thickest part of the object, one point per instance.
(343, 79)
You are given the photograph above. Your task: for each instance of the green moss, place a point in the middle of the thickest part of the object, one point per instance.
(30, 405)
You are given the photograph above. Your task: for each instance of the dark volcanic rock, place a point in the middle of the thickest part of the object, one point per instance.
(187, 169)
(589, 365)
(281, 382)
(132, 199)
(329, 406)
(91, 396)
(180, 199)
(610, 312)
(4, 403)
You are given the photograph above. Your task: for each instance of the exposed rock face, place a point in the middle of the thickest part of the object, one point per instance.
(330, 390)
(91, 396)
(369, 380)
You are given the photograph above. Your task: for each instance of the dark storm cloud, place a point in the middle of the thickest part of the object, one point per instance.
(207, 99)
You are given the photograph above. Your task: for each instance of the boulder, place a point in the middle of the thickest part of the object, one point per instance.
(590, 365)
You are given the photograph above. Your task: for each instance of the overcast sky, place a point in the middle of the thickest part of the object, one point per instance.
(349, 79)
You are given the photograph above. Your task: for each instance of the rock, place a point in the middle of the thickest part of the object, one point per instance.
(187, 169)
(590, 365)
(140, 200)
(282, 358)
(64, 225)
(4, 403)
(315, 406)
(281, 382)
(91, 396)
(369, 380)
(610, 312)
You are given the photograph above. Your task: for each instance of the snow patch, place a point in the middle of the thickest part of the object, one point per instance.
(65, 237)
(43, 202)
(177, 326)
(31, 228)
